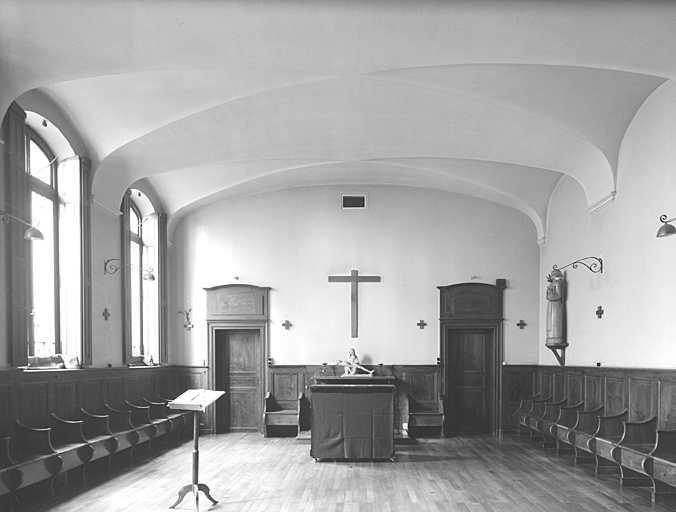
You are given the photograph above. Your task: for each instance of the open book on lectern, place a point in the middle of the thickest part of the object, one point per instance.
(195, 399)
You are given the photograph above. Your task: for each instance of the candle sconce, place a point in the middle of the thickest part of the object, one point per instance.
(187, 325)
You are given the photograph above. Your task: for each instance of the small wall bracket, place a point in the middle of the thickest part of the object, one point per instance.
(561, 355)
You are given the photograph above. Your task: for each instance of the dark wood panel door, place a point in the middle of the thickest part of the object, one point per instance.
(469, 386)
(238, 373)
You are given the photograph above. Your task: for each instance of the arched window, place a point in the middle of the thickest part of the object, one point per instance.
(143, 279)
(49, 286)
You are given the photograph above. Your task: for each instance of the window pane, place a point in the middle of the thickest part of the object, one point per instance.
(39, 165)
(44, 278)
(136, 318)
(134, 221)
(151, 304)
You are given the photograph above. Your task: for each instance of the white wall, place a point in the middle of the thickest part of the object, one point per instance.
(292, 240)
(638, 286)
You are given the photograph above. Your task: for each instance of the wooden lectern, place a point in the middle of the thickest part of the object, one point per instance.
(195, 400)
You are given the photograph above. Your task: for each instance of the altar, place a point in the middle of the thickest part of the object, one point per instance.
(353, 418)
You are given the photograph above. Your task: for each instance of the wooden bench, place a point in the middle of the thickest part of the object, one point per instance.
(638, 440)
(542, 426)
(661, 466)
(583, 435)
(537, 411)
(605, 441)
(424, 414)
(521, 414)
(281, 412)
(565, 423)
(32, 454)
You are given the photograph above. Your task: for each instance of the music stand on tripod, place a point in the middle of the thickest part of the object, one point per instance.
(195, 400)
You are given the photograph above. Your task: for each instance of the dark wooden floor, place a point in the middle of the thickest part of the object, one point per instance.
(247, 472)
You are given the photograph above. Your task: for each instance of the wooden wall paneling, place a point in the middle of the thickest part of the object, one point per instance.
(34, 408)
(6, 407)
(285, 383)
(66, 400)
(615, 395)
(148, 386)
(546, 384)
(518, 381)
(642, 399)
(132, 389)
(115, 392)
(593, 392)
(560, 387)
(575, 388)
(163, 385)
(93, 398)
(667, 401)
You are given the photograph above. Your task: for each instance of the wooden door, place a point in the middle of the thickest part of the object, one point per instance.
(238, 371)
(470, 378)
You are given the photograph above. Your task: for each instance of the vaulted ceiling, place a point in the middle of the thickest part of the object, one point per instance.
(207, 100)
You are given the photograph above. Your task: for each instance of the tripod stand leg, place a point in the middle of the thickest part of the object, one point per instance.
(181, 494)
(205, 490)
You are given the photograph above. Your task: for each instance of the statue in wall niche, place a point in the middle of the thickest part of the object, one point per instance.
(555, 309)
(352, 364)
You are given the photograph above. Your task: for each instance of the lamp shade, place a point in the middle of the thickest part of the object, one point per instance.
(33, 233)
(666, 230)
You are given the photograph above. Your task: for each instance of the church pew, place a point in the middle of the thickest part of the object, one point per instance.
(561, 429)
(281, 412)
(159, 411)
(521, 414)
(34, 455)
(11, 476)
(69, 441)
(638, 440)
(418, 413)
(604, 445)
(547, 425)
(96, 430)
(661, 466)
(583, 435)
(536, 414)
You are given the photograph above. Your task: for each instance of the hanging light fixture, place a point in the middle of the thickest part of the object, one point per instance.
(32, 233)
(666, 229)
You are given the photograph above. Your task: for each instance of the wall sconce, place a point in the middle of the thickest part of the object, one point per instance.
(110, 268)
(596, 266)
(32, 233)
(666, 229)
(188, 324)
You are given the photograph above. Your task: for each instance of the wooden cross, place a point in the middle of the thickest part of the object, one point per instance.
(286, 324)
(521, 324)
(421, 324)
(354, 278)
(106, 314)
(599, 312)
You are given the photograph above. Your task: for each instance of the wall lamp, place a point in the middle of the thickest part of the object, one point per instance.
(110, 268)
(32, 233)
(666, 229)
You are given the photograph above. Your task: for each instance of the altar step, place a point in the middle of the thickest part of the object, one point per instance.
(400, 437)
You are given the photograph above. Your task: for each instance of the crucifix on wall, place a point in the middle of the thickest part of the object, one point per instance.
(354, 279)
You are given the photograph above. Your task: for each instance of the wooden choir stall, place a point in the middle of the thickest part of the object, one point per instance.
(353, 418)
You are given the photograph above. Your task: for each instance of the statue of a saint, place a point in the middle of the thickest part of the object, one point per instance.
(352, 364)
(555, 309)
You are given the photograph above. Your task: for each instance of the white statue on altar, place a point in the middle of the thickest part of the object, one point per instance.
(352, 364)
